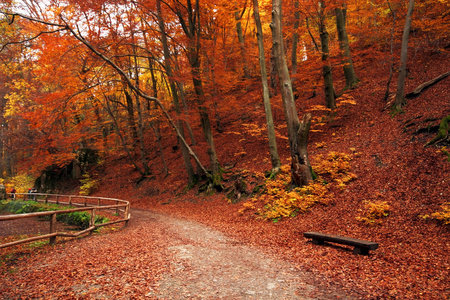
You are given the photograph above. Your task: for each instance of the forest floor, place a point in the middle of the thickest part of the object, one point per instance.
(391, 164)
(158, 257)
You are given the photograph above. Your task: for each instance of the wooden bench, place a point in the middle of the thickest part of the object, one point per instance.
(360, 246)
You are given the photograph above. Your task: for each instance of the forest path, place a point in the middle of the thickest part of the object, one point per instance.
(160, 257)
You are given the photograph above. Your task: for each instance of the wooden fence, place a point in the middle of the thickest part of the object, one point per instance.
(91, 204)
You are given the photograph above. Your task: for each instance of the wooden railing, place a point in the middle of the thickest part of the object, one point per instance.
(93, 204)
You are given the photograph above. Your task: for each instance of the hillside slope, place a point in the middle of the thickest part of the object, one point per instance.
(391, 163)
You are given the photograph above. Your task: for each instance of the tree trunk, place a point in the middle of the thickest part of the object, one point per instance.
(326, 68)
(142, 148)
(273, 151)
(391, 66)
(297, 133)
(238, 17)
(300, 165)
(192, 177)
(399, 96)
(192, 30)
(295, 45)
(130, 115)
(349, 72)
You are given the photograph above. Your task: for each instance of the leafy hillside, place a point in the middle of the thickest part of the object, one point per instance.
(390, 162)
(161, 103)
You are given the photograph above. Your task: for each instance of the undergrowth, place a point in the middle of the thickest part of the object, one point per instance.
(442, 216)
(374, 212)
(88, 185)
(277, 200)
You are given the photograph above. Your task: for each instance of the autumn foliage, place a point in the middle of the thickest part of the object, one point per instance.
(168, 96)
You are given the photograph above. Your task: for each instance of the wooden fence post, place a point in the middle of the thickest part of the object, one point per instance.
(92, 220)
(46, 198)
(70, 200)
(127, 212)
(53, 229)
(57, 200)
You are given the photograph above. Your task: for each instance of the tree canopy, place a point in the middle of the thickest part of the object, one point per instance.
(110, 75)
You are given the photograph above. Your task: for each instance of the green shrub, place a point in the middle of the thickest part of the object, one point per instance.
(80, 219)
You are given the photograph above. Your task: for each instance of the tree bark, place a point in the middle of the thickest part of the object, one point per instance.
(297, 133)
(295, 45)
(326, 68)
(192, 30)
(273, 151)
(142, 148)
(238, 18)
(400, 101)
(351, 80)
(300, 162)
(391, 66)
(192, 177)
(130, 114)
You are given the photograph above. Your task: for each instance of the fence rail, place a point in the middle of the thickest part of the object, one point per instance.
(92, 204)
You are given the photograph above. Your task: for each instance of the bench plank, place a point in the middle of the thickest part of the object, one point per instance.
(360, 246)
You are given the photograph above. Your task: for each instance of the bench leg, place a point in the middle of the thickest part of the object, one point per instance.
(317, 242)
(362, 251)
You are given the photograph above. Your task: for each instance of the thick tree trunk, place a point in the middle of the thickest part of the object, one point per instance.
(349, 72)
(273, 151)
(301, 172)
(326, 68)
(400, 101)
(301, 167)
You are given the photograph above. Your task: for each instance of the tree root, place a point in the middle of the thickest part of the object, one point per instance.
(442, 133)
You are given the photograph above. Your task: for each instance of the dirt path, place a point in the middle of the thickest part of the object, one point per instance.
(159, 257)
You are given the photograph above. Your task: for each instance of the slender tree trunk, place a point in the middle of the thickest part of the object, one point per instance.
(143, 151)
(351, 80)
(130, 115)
(295, 44)
(391, 66)
(122, 138)
(400, 95)
(192, 177)
(193, 32)
(273, 75)
(300, 167)
(326, 68)
(182, 95)
(238, 18)
(156, 131)
(273, 151)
